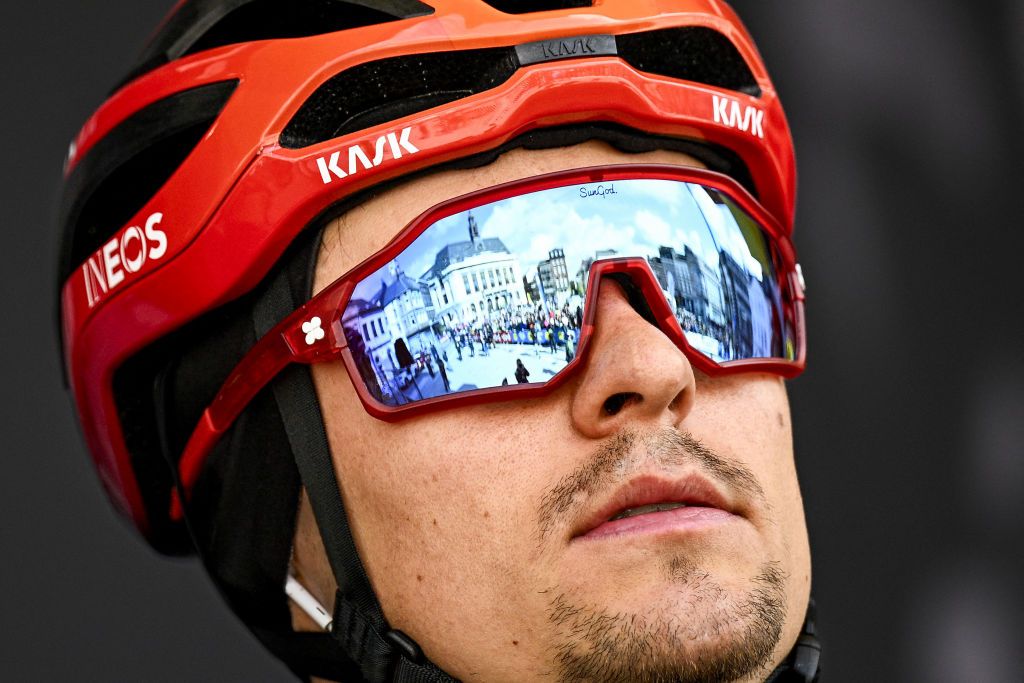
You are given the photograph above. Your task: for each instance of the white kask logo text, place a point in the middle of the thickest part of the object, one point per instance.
(395, 144)
(730, 113)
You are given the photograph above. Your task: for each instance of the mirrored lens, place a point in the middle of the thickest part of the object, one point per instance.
(495, 296)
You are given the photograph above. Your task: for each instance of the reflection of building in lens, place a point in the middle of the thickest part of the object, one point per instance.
(397, 316)
(554, 278)
(737, 306)
(532, 289)
(367, 318)
(769, 340)
(693, 288)
(579, 285)
(473, 278)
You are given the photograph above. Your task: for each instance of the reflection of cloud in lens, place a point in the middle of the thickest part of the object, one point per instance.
(655, 229)
(540, 246)
(668, 193)
(420, 266)
(725, 230)
(692, 239)
(533, 226)
(637, 219)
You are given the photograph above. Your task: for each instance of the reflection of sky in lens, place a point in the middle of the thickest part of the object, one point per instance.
(638, 218)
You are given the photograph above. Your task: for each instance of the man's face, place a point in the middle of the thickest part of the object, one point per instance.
(488, 531)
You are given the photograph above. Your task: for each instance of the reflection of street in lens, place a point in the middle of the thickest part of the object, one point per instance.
(485, 372)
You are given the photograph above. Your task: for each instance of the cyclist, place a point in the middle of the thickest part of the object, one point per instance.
(286, 205)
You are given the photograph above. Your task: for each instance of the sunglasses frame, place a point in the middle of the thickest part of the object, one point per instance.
(289, 341)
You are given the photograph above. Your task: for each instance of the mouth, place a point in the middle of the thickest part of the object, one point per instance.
(653, 505)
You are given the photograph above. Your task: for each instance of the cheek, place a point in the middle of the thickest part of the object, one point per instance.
(747, 418)
(435, 501)
(760, 436)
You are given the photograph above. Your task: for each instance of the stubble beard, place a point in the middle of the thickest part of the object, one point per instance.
(702, 632)
(711, 635)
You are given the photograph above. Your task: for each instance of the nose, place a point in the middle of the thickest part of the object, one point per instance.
(633, 371)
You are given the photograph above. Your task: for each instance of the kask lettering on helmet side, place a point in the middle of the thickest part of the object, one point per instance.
(731, 113)
(123, 255)
(398, 144)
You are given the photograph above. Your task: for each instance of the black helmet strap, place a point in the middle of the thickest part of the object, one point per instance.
(359, 627)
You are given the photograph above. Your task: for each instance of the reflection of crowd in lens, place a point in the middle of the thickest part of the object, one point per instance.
(440, 360)
(553, 329)
(720, 333)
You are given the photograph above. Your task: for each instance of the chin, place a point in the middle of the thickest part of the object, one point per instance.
(695, 627)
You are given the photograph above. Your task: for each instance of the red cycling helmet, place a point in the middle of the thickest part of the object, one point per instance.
(248, 123)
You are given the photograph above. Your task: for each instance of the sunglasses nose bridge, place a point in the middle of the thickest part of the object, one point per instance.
(631, 371)
(645, 294)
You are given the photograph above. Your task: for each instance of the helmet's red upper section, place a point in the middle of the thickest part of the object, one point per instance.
(223, 218)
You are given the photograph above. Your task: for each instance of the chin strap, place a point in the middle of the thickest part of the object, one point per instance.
(381, 653)
(375, 652)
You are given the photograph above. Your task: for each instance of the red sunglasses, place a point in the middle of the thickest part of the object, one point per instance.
(461, 302)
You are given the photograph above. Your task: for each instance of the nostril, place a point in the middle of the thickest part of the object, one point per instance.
(677, 401)
(615, 403)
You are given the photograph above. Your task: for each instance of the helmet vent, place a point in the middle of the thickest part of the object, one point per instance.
(693, 53)
(199, 25)
(130, 164)
(388, 89)
(527, 6)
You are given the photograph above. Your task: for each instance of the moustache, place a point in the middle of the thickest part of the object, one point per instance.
(630, 452)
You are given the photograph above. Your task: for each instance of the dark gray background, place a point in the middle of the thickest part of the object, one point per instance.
(909, 424)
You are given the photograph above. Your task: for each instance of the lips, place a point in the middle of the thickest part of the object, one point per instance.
(653, 504)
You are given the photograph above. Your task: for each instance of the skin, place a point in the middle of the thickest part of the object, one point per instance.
(448, 509)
